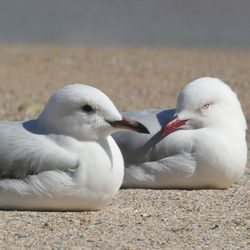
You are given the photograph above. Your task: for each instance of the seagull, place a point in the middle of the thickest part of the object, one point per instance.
(200, 144)
(65, 159)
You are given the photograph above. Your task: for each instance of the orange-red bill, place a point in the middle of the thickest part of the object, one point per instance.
(172, 125)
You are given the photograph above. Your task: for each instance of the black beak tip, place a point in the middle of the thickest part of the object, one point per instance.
(142, 128)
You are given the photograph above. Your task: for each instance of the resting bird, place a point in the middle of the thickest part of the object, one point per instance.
(66, 159)
(200, 144)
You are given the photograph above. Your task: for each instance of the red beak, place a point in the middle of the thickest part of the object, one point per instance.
(172, 125)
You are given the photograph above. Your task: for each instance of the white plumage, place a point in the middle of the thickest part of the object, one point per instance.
(200, 144)
(64, 160)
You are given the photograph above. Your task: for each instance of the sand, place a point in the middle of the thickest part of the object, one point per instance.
(134, 78)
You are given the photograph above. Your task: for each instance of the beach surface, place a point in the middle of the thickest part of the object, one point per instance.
(134, 78)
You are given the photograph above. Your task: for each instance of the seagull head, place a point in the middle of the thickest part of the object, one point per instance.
(85, 113)
(207, 102)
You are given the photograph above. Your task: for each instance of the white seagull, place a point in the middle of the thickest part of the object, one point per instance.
(200, 144)
(66, 159)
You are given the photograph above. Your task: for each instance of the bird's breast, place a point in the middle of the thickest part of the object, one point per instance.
(100, 166)
(220, 156)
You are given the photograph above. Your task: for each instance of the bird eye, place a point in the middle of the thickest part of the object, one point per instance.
(87, 108)
(205, 106)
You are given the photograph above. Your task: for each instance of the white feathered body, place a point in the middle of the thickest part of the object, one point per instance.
(56, 172)
(199, 158)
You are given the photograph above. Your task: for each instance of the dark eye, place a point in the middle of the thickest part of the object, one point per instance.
(87, 108)
(205, 106)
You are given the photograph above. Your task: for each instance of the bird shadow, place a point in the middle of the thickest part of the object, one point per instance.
(163, 118)
(31, 126)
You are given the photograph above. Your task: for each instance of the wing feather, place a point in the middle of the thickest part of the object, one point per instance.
(171, 172)
(25, 153)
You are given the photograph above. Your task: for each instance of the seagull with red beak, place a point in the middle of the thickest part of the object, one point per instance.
(200, 144)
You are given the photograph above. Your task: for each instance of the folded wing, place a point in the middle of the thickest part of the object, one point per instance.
(25, 153)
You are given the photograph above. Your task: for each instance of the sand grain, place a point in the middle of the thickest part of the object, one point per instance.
(134, 78)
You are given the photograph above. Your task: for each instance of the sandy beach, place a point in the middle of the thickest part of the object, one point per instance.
(134, 78)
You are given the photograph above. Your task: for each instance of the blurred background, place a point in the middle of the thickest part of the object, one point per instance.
(133, 50)
(175, 23)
